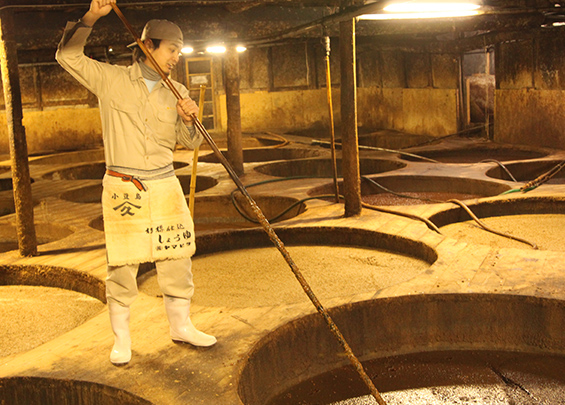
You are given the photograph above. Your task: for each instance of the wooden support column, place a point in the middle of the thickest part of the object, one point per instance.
(349, 141)
(21, 182)
(231, 70)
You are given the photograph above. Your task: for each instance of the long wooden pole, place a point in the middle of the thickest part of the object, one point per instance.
(331, 114)
(195, 154)
(266, 226)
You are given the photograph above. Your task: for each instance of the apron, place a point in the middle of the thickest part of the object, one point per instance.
(146, 226)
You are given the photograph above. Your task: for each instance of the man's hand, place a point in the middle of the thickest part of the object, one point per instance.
(98, 8)
(185, 108)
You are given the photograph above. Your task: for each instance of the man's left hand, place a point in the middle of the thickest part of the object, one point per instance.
(186, 108)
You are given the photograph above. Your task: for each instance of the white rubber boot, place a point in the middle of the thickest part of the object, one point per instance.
(182, 329)
(119, 319)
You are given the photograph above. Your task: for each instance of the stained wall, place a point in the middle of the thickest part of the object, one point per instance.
(283, 88)
(529, 95)
(414, 93)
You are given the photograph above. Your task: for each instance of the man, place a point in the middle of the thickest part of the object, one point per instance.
(146, 218)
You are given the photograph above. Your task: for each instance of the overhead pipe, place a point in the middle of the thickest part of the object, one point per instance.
(262, 220)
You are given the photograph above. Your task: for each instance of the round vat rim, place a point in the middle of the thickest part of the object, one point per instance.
(328, 157)
(487, 146)
(433, 177)
(479, 208)
(547, 160)
(434, 152)
(61, 383)
(312, 322)
(53, 276)
(260, 168)
(504, 186)
(326, 235)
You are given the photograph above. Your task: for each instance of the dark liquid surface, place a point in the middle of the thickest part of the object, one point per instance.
(414, 198)
(441, 378)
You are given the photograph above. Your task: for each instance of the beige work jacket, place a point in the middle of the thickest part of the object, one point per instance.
(140, 129)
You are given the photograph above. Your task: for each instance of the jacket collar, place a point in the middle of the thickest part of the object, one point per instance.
(135, 72)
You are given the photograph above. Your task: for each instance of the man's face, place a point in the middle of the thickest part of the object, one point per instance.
(166, 56)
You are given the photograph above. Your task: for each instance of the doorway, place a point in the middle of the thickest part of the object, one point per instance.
(479, 85)
(199, 73)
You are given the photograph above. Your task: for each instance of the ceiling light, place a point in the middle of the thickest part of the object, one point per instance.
(187, 49)
(400, 16)
(430, 7)
(216, 49)
(425, 9)
(240, 48)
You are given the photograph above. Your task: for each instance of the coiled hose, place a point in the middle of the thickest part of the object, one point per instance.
(545, 177)
(461, 204)
(429, 223)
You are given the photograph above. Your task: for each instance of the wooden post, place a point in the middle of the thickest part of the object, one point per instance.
(235, 150)
(349, 141)
(27, 240)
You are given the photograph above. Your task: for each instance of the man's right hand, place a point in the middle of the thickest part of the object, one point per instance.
(98, 8)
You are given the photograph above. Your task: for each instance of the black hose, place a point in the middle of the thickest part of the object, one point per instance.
(486, 228)
(280, 214)
(462, 205)
(501, 166)
(429, 223)
(399, 194)
(250, 219)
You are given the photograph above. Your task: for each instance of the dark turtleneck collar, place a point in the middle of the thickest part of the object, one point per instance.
(149, 73)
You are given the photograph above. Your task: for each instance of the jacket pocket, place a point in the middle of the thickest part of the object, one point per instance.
(165, 134)
(126, 115)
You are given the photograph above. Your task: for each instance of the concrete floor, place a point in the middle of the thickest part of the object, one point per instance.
(162, 372)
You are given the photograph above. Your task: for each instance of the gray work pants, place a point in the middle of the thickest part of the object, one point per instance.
(174, 278)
